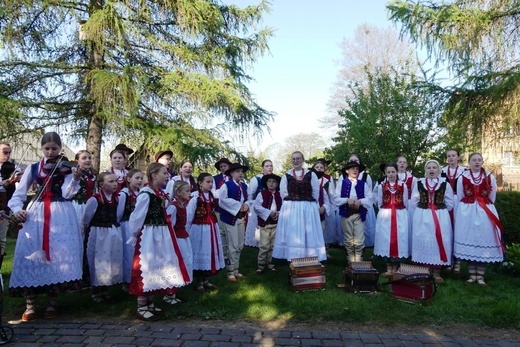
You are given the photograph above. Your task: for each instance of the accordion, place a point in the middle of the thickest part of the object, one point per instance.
(306, 274)
(412, 284)
(361, 277)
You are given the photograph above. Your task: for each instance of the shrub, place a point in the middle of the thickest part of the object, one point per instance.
(511, 264)
(508, 207)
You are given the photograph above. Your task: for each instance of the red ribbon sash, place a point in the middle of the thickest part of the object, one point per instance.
(182, 265)
(214, 248)
(47, 195)
(499, 228)
(438, 234)
(394, 242)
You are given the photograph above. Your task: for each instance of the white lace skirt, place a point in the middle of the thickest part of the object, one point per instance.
(30, 266)
(105, 256)
(299, 233)
(475, 235)
(425, 248)
(383, 233)
(206, 249)
(159, 262)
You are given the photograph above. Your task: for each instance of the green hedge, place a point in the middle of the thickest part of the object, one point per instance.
(508, 207)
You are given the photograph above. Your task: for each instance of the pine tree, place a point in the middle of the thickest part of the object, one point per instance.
(164, 70)
(478, 40)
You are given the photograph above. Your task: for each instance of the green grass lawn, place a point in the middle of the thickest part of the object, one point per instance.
(268, 297)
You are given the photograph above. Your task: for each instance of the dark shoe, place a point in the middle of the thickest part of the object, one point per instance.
(145, 314)
(209, 286)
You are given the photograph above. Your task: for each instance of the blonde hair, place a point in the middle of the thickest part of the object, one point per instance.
(436, 163)
(177, 186)
(153, 168)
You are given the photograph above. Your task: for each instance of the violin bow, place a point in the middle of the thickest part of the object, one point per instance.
(46, 183)
(17, 166)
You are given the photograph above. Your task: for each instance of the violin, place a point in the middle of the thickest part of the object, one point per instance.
(15, 176)
(59, 165)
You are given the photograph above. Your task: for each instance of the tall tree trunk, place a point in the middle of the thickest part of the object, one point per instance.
(95, 127)
(94, 139)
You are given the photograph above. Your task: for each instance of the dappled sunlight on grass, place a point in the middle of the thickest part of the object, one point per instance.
(267, 299)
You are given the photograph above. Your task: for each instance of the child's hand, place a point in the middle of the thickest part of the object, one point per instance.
(20, 216)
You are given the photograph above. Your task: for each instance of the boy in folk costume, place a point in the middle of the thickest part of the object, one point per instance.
(218, 180)
(353, 196)
(370, 220)
(267, 207)
(233, 201)
(252, 237)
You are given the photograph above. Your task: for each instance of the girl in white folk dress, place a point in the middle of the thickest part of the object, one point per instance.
(478, 231)
(298, 232)
(87, 183)
(105, 244)
(186, 175)
(452, 172)
(158, 265)
(432, 243)
(87, 188)
(178, 218)
(49, 247)
(128, 198)
(118, 167)
(208, 255)
(391, 238)
(410, 181)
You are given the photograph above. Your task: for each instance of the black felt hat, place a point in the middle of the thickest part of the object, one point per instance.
(266, 178)
(352, 164)
(236, 166)
(222, 160)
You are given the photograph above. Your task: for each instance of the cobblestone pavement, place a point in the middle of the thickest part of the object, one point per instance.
(89, 333)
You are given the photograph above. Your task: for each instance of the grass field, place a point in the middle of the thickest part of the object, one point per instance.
(268, 297)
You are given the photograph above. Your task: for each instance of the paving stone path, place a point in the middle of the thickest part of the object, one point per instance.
(83, 333)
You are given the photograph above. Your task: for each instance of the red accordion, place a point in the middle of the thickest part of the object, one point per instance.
(413, 284)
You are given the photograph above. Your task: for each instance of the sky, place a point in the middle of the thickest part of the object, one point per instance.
(295, 79)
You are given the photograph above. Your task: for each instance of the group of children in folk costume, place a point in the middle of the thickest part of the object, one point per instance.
(472, 233)
(128, 236)
(416, 216)
(174, 241)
